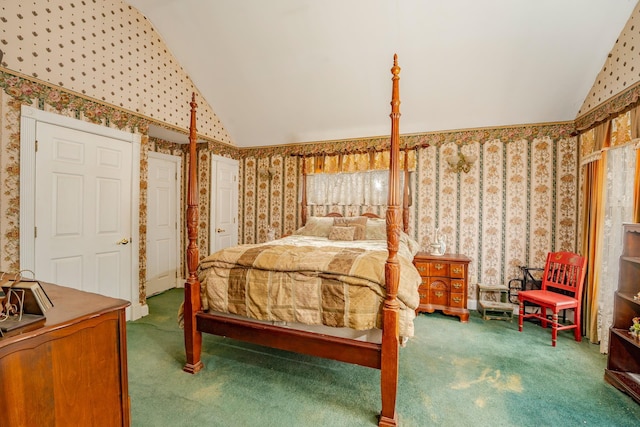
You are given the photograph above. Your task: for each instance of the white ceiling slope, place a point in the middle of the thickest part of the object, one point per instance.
(284, 71)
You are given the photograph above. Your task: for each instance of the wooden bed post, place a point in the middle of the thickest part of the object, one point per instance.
(390, 310)
(405, 193)
(192, 302)
(303, 208)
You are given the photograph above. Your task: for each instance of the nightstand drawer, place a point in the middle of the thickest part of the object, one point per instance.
(423, 268)
(457, 271)
(439, 269)
(423, 292)
(438, 297)
(457, 286)
(457, 300)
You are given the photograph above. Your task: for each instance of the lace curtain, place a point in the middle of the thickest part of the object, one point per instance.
(618, 208)
(368, 188)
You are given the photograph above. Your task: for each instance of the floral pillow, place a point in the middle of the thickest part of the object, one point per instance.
(341, 233)
(359, 223)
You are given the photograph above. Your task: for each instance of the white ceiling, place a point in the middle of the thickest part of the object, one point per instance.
(283, 71)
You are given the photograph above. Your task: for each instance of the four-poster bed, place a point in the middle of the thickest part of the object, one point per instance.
(395, 300)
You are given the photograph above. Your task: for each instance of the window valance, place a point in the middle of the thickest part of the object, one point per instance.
(355, 162)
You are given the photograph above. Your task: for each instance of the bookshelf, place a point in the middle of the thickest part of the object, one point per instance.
(623, 360)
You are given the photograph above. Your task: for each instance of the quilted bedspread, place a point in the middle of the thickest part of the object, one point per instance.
(309, 280)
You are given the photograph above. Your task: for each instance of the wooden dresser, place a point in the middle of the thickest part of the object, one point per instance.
(444, 284)
(73, 370)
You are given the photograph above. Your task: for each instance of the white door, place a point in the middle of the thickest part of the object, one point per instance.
(162, 223)
(83, 211)
(224, 203)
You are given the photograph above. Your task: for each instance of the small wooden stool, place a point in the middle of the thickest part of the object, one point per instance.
(497, 309)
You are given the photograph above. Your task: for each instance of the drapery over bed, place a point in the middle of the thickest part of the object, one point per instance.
(310, 280)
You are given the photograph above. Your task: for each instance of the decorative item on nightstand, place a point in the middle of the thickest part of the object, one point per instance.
(444, 283)
(439, 245)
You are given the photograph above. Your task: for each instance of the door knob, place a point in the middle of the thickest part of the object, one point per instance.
(220, 230)
(123, 241)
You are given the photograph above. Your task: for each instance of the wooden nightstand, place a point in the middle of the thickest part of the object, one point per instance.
(444, 284)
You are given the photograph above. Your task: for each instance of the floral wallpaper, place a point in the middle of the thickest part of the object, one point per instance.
(17, 91)
(518, 201)
(100, 62)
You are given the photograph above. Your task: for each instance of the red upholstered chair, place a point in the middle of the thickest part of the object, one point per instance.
(561, 289)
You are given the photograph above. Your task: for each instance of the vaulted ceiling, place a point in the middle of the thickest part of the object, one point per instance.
(284, 71)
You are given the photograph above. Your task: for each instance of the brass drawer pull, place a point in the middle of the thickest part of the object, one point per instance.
(456, 299)
(439, 294)
(439, 266)
(457, 270)
(457, 285)
(421, 269)
(423, 296)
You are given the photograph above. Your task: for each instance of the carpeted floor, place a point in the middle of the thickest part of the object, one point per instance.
(483, 373)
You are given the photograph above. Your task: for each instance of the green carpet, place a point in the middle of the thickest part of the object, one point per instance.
(483, 373)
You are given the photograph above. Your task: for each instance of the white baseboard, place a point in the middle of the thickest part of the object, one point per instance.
(136, 310)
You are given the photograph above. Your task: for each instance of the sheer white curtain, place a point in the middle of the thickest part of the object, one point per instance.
(354, 188)
(621, 163)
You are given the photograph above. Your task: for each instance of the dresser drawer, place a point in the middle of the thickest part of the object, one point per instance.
(457, 286)
(457, 271)
(438, 291)
(423, 292)
(439, 269)
(438, 297)
(422, 267)
(457, 300)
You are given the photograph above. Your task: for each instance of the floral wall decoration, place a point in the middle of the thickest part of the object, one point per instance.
(518, 201)
(50, 98)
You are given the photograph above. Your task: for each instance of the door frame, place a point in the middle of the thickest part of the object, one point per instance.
(179, 281)
(29, 117)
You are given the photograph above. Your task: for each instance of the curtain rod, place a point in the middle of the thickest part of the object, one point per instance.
(373, 150)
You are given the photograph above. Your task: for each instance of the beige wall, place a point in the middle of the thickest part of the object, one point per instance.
(106, 51)
(621, 69)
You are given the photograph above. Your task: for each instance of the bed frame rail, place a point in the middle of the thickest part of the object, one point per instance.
(329, 347)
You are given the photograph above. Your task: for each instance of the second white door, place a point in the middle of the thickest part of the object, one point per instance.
(224, 203)
(162, 223)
